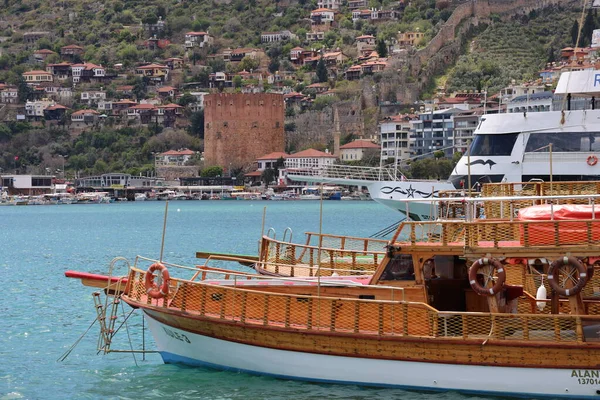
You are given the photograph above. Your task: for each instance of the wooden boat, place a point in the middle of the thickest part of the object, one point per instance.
(438, 313)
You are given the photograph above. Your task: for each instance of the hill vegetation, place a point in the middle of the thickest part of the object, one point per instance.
(112, 34)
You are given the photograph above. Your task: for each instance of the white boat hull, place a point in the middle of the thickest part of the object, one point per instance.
(395, 195)
(179, 346)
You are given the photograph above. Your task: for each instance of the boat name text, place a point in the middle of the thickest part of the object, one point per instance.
(175, 335)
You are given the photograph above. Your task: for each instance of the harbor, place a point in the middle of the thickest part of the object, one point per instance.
(46, 241)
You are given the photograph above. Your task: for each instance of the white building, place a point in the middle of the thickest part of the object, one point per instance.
(198, 104)
(540, 101)
(355, 150)
(173, 157)
(198, 39)
(269, 37)
(36, 108)
(433, 131)
(395, 137)
(330, 4)
(93, 96)
(309, 159)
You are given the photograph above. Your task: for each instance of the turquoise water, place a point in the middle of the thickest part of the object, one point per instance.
(43, 313)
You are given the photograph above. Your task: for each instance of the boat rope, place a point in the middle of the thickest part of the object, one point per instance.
(128, 335)
(66, 353)
(388, 229)
(581, 20)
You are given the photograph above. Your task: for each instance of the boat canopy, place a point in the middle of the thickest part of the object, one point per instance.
(579, 83)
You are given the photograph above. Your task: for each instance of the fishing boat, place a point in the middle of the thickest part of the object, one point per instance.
(441, 311)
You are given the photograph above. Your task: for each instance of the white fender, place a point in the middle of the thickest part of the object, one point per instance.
(541, 295)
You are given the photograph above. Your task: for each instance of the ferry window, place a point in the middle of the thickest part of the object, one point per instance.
(400, 268)
(563, 142)
(493, 145)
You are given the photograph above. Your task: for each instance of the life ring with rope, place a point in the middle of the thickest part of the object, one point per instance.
(480, 289)
(592, 160)
(153, 289)
(554, 280)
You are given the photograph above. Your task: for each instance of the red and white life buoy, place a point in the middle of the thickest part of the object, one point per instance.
(578, 283)
(592, 160)
(153, 289)
(500, 276)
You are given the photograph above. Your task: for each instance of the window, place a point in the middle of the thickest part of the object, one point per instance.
(399, 268)
(564, 142)
(493, 145)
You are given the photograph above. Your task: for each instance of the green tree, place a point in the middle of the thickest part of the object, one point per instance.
(237, 81)
(322, 75)
(574, 33)
(211, 172)
(268, 175)
(382, 49)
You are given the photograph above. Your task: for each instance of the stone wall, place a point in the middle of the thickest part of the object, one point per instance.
(240, 127)
(173, 173)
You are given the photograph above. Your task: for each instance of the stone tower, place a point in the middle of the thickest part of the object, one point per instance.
(239, 127)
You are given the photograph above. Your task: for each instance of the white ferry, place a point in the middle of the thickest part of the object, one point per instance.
(551, 145)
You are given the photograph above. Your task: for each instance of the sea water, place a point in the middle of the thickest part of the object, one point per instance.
(42, 313)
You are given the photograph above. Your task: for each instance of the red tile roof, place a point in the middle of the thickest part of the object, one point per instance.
(360, 144)
(196, 33)
(144, 106)
(152, 66)
(184, 152)
(274, 156)
(85, 112)
(44, 51)
(311, 153)
(165, 89)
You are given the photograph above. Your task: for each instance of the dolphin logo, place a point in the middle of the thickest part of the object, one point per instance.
(482, 162)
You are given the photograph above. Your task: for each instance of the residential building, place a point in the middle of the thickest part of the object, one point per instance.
(314, 36)
(465, 124)
(169, 114)
(37, 76)
(72, 50)
(93, 96)
(87, 72)
(269, 37)
(366, 42)
(198, 39)
(534, 102)
(310, 159)
(119, 108)
(355, 150)
(9, 95)
(141, 113)
(85, 117)
(125, 90)
(374, 15)
(356, 4)
(334, 58)
(60, 72)
(395, 137)
(462, 101)
(174, 62)
(270, 160)
(198, 104)
(238, 55)
(322, 16)
(35, 109)
(55, 112)
(409, 38)
(167, 91)
(329, 4)
(173, 157)
(156, 73)
(433, 131)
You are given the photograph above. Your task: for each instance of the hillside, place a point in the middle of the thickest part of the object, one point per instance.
(118, 38)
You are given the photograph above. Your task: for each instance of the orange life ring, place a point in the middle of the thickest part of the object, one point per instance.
(592, 160)
(151, 288)
(500, 273)
(553, 279)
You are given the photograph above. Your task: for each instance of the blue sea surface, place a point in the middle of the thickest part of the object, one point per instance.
(42, 313)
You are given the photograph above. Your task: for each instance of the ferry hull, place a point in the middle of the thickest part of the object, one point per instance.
(182, 346)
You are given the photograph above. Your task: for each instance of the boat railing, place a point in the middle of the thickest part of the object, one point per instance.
(539, 188)
(368, 318)
(352, 172)
(294, 259)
